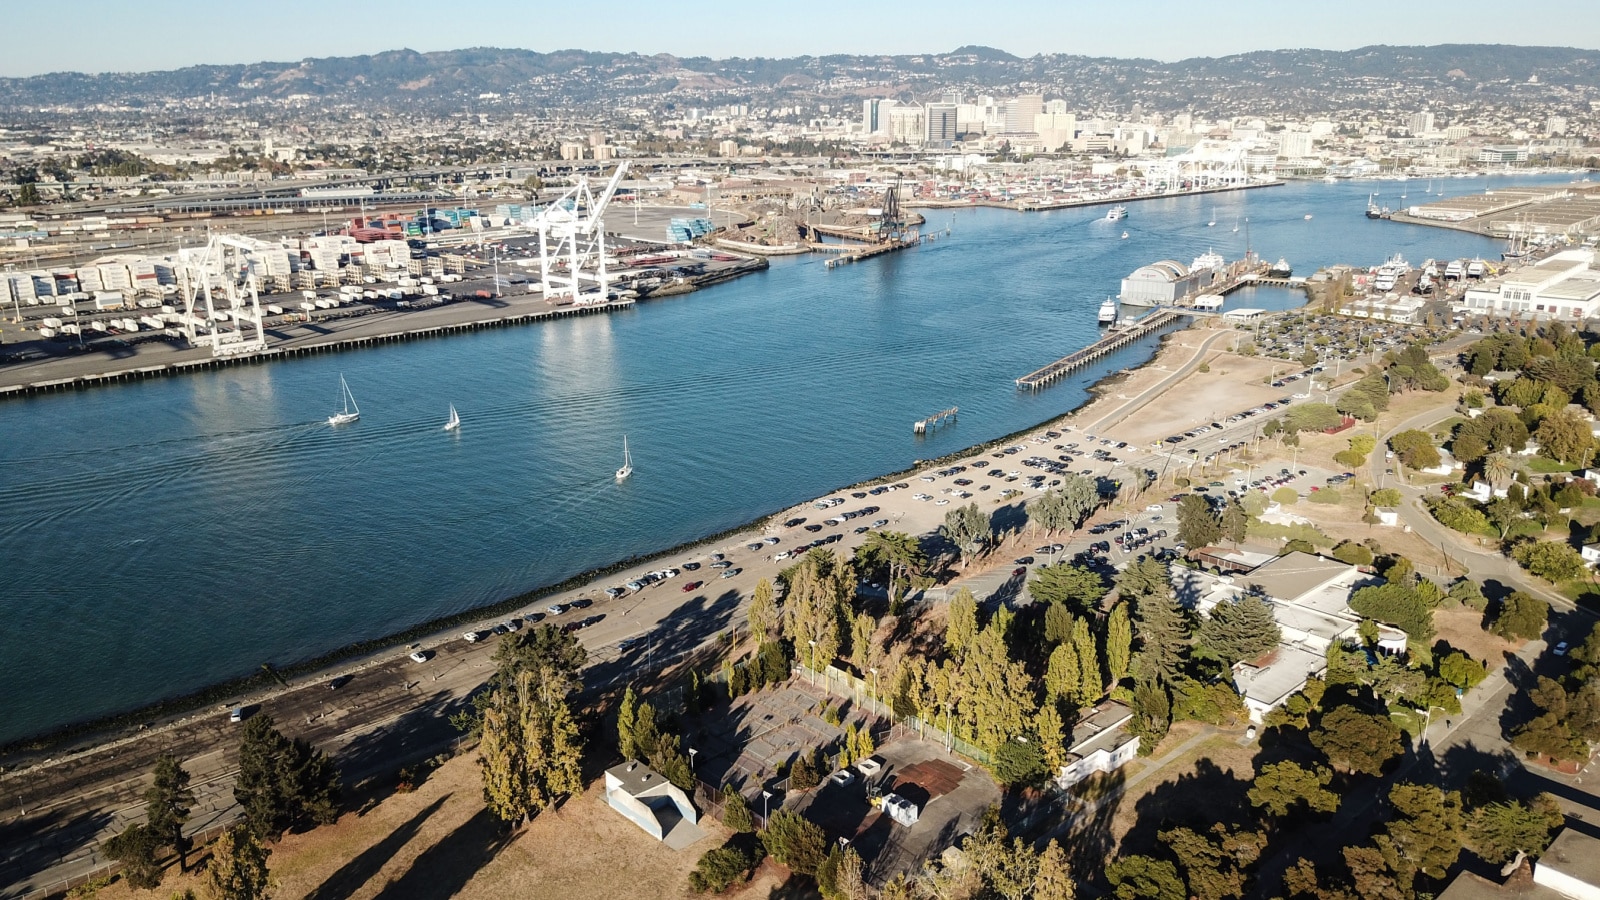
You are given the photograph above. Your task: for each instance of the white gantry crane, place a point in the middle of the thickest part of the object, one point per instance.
(221, 299)
(572, 243)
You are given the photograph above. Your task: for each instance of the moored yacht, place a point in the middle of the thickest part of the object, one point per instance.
(1108, 312)
(1280, 269)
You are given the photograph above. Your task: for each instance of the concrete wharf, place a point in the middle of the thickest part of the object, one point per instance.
(872, 250)
(1150, 324)
(201, 363)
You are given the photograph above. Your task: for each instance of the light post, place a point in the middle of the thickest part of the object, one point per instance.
(692, 754)
(765, 796)
(813, 661)
(874, 690)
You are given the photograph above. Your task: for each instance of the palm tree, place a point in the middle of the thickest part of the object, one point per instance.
(1498, 468)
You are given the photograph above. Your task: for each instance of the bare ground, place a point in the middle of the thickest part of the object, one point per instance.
(439, 842)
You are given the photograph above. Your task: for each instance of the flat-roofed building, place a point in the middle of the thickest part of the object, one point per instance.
(1564, 286)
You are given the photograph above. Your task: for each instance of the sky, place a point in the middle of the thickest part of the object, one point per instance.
(144, 35)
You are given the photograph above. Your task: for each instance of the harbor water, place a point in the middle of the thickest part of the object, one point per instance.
(163, 535)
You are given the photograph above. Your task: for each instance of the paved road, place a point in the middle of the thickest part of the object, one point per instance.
(1135, 404)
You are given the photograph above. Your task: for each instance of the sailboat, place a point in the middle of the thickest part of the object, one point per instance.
(627, 461)
(1236, 225)
(351, 411)
(454, 421)
(1213, 222)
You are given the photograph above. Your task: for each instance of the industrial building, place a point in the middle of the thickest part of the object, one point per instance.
(1164, 283)
(1564, 286)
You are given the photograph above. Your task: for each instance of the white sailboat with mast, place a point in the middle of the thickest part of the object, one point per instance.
(454, 421)
(351, 411)
(627, 461)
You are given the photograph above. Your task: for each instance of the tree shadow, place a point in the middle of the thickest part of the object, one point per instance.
(36, 842)
(357, 872)
(1207, 796)
(442, 870)
(1088, 837)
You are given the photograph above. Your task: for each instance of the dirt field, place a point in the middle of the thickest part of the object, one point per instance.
(1461, 627)
(438, 842)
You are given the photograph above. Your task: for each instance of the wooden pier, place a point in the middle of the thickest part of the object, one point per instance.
(1111, 343)
(923, 426)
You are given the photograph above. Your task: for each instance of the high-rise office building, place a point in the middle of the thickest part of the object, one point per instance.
(875, 115)
(1421, 123)
(942, 124)
(1020, 112)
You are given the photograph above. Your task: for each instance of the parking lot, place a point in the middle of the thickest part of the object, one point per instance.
(950, 795)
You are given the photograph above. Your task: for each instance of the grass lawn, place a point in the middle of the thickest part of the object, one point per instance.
(1542, 466)
(1446, 428)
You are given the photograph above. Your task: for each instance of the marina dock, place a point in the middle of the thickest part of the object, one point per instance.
(1111, 343)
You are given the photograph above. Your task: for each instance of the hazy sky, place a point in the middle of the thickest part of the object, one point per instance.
(119, 35)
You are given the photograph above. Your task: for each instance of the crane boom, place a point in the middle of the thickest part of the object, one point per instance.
(598, 207)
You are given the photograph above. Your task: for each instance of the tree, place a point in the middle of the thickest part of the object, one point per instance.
(1499, 469)
(1119, 641)
(1240, 629)
(238, 869)
(1214, 862)
(1235, 522)
(168, 802)
(995, 692)
(820, 588)
(1136, 877)
(1415, 449)
(530, 752)
(1427, 829)
(1466, 592)
(961, 624)
(795, 841)
(1054, 878)
(627, 715)
(1279, 787)
(1163, 631)
(1549, 560)
(968, 528)
(719, 869)
(1356, 741)
(900, 553)
(864, 652)
(1564, 437)
(1061, 675)
(1311, 417)
(1077, 588)
(283, 784)
(1091, 685)
(1521, 617)
(763, 617)
(736, 812)
(135, 848)
(1499, 830)
(1461, 671)
(1399, 605)
(1052, 734)
(1197, 526)
(1019, 762)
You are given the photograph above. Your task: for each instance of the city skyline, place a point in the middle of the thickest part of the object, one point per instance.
(172, 34)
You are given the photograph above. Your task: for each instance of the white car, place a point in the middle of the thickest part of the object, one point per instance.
(1154, 507)
(941, 502)
(921, 497)
(420, 656)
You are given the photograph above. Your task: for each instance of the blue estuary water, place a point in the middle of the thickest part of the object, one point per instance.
(160, 536)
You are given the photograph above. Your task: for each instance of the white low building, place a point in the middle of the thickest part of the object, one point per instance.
(1100, 743)
(1310, 599)
(1563, 286)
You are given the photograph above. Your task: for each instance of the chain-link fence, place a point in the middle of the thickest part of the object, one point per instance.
(840, 683)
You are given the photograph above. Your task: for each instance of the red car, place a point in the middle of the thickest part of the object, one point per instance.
(691, 586)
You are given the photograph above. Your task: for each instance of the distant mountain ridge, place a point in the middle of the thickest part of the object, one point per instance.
(577, 77)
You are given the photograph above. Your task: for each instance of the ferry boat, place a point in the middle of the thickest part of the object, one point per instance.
(1108, 312)
(1280, 269)
(1116, 213)
(1454, 270)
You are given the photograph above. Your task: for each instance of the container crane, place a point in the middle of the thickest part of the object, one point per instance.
(221, 295)
(572, 239)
